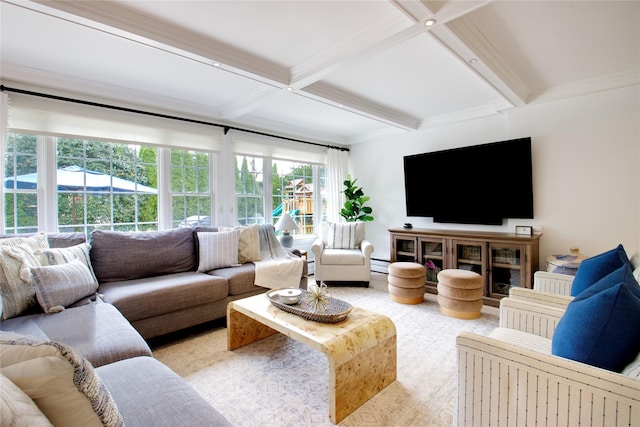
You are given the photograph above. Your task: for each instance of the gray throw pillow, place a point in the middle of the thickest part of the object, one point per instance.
(59, 286)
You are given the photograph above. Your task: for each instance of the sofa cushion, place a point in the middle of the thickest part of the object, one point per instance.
(59, 286)
(117, 256)
(60, 382)
(65, 240)
(241, 279)
(342, 257)
(153, 296)
(148, 393)
(55, 239)
(90, 329)
(17, 409)
(598, 327)
(217, 250)
(595, 268)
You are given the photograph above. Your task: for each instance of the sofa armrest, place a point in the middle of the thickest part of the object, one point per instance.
(544, 298)
(529, 317)
(317, 247)
(502, 384)
(552, 282)
(367, 248)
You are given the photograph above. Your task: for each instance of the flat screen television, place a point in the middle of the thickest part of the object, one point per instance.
(480, 184)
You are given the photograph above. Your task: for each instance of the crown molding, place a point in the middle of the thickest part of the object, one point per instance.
(589, 86)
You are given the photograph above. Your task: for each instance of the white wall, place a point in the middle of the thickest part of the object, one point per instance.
(586, 152)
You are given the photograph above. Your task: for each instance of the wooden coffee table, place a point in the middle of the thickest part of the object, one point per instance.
(361, 350)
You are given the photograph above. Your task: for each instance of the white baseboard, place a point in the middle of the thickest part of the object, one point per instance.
(380, 265)
(377, 266)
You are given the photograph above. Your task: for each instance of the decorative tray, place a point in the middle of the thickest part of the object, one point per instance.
(336, 311)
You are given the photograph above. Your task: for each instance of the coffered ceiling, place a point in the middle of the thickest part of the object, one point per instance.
(342, 72)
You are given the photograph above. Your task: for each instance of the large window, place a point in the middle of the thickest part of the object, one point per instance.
(250, 203)
(279, 186)
(190, 194)
(101, 185)
(21, 197)
(106, 186)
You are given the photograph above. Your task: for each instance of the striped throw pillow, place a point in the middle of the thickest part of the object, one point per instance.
(218, 250)
(342, 235)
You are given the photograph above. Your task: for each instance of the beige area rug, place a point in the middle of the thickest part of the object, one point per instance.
(280, 382)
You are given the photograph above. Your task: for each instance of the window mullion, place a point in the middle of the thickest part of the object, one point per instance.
(164, 189)
(47, 184)
(267, 175)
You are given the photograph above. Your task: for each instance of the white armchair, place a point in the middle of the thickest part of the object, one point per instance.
(511, 378)
(338, 262)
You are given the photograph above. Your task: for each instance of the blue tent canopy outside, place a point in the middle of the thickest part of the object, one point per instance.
(72, 178)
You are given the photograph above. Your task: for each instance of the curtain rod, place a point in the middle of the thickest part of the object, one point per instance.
(226, 128)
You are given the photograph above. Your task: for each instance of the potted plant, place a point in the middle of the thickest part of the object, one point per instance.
(354, 208)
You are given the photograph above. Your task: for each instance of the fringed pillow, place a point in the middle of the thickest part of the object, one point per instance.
(59, 286)
(60, 382)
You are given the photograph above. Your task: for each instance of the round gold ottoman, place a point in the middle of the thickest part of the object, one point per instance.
(406, 282)
(460, 293)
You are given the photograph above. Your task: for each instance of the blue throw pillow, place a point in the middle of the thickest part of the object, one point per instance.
(595, 268)
(600, 326)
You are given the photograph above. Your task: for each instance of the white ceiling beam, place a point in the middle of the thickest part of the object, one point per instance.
(468, 43)
(342, 99)
(244, 105)
(124, 22)
(377, 36)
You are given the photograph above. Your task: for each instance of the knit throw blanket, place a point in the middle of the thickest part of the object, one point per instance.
(277, 267)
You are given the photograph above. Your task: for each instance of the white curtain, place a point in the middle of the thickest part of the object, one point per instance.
(43, 116)
(4, 118)
(337, 169)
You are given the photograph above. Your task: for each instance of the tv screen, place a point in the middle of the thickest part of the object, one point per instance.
(480, 184)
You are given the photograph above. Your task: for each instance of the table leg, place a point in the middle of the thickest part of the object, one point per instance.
(243, 330)
(357, 380)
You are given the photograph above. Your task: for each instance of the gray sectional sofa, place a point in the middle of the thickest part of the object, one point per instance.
(148, 286)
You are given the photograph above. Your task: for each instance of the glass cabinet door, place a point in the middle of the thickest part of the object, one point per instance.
(432, 256)
(507, 268)
(469, 256)
(405, 249)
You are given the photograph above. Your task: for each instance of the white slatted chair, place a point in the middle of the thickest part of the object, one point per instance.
(553, 283)
(511, 378)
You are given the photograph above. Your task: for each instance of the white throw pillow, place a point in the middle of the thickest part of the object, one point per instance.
(342, 235)
(248, 243)
(218, 250)
(16, 407)
(633, 369)
(16, 283)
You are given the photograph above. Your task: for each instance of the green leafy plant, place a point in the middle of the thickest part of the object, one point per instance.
(354, 208)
